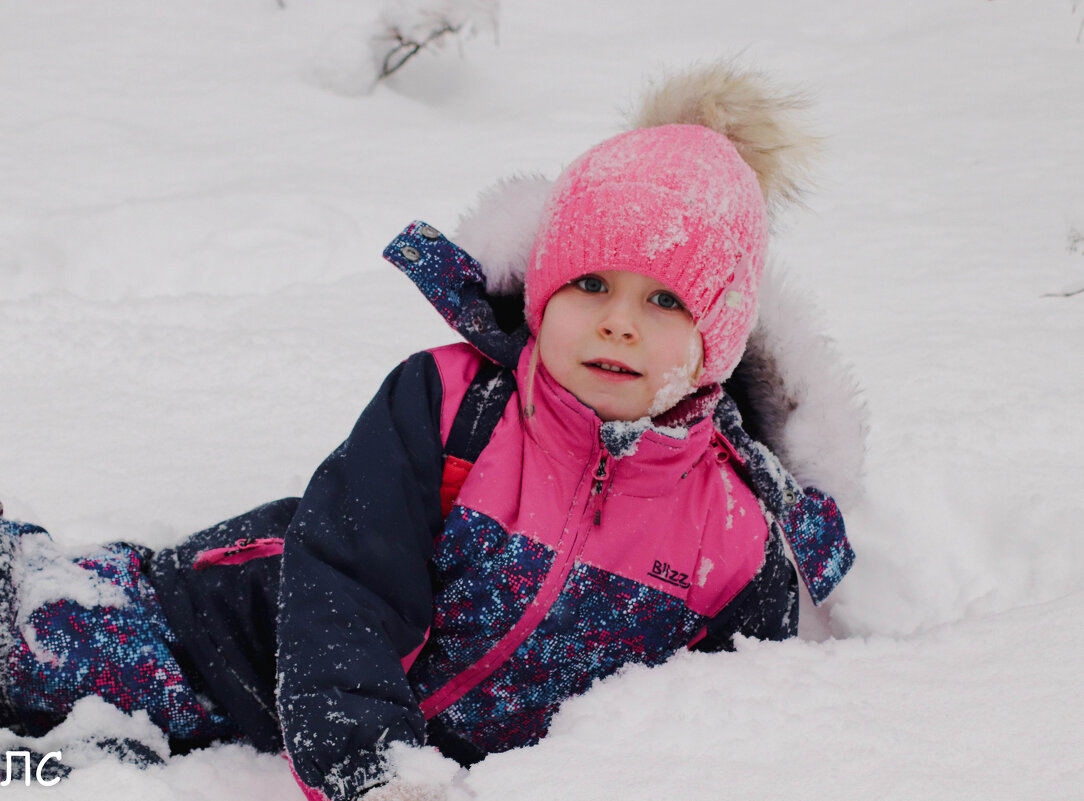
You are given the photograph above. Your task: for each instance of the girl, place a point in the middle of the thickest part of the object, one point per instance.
(512, 517)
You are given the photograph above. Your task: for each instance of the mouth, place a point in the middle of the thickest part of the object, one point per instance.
(612, 368)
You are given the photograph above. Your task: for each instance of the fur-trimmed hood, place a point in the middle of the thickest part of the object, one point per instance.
(795, 391)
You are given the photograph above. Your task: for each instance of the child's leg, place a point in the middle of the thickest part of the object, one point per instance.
(89, 625)
(10, 537)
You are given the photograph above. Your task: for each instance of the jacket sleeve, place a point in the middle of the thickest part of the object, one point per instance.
(356, 597)
(766, 609)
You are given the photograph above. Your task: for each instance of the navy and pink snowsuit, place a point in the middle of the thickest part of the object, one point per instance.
(570, 548)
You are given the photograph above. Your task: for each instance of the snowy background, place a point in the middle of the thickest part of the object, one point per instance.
(193, 310)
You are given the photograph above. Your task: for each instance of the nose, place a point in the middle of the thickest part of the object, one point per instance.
(619, 322)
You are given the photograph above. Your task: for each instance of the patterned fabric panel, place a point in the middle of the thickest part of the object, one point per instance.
(120, 653)
(486, 579)
(819, 541)
(440, 269)
(599, 623)
(811, 521)
(453, 282)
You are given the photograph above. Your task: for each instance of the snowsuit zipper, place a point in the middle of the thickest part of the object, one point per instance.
(584, 513)
(601, 475)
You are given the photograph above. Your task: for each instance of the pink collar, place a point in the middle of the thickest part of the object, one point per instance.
(652, 457)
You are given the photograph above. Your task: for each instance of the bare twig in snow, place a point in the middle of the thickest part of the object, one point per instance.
(406, 48)
(406, 27)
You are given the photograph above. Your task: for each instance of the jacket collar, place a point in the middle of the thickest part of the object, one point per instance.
(647, 459)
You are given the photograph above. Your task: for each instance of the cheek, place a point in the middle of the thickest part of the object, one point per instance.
(552, 340)
(685, 348)
(683, 358)
(696, 348)
(546, 348)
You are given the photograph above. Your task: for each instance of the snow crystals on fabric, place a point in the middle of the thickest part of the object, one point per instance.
(43, 575)
(471, 612)
(622, 437)
(670, 237)
(440, 270)
(600, 622)
(811, 521)
(454, 283)
(704, 570)
(816, 535)
(115, 645)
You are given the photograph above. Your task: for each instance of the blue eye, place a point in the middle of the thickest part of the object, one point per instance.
(666, 301)
(590, 283)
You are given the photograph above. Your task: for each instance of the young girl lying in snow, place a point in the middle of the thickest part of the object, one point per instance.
(513, 517)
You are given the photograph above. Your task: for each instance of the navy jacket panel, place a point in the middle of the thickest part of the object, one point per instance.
(224, 617)
(767, 609)
(355, 594)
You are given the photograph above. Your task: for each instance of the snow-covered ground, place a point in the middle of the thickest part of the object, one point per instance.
(193, 310)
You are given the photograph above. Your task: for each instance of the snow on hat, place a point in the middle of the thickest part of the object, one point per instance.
(684, 198)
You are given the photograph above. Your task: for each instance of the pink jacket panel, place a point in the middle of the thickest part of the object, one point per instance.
(674, 515)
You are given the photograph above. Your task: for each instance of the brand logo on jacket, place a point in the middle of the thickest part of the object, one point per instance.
(663, 572)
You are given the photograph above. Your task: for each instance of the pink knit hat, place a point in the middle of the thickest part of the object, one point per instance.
(674, 202)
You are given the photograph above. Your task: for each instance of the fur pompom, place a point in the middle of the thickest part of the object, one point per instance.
(763, 122)
(499, 231)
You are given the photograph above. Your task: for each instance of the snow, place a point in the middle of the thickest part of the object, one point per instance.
(622, 437)
(55, 577)
(90, 721)
(194, 310)
(680, 381)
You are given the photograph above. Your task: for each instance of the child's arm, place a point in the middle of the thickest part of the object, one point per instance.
(356, 597)
(767, 609)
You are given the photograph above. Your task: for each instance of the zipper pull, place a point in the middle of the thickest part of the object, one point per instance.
(600, 477)
(238, 546)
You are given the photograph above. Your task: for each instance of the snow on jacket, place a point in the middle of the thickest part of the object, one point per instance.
(573, 547)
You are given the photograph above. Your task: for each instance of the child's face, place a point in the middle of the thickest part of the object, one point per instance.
(622, 343)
